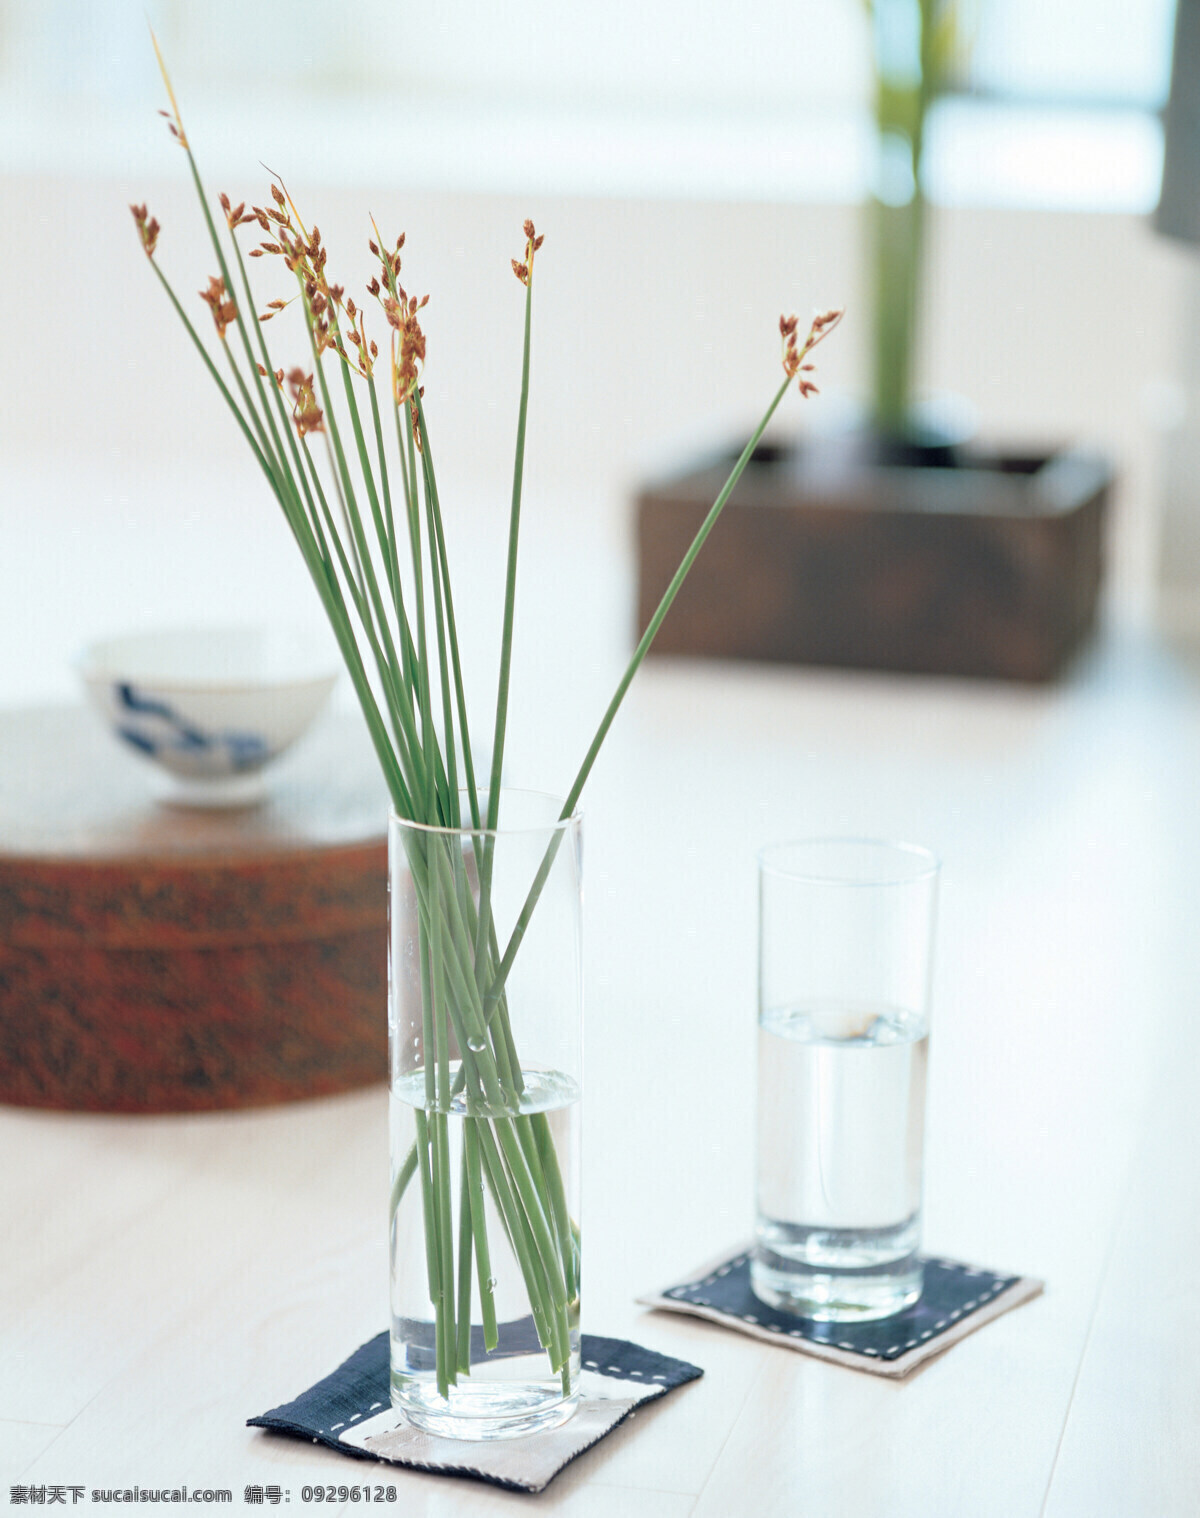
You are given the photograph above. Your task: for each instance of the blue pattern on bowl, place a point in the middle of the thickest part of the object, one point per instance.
(153, 728)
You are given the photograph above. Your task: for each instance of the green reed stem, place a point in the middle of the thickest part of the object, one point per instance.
(518, 1236)
(392, 551)
(510, 576)
(567, 1243)
(433, 1264)
(483, 1258)
(388, 664)
(400, 1183)
(464, 1268)
(216, 376)
(287, 495)
(639, 654)
(440, 1052)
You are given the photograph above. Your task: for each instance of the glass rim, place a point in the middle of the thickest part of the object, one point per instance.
(924, 864)
(468, 830)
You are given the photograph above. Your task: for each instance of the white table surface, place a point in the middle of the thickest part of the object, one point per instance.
(161, 1279)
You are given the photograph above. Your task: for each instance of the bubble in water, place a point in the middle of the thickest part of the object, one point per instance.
(492, 1283)
(476, 1044)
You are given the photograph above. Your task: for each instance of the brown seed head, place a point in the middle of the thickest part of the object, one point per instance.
(274, 307)
(224, 312)
(365, 352)
(408, 347)
(524, 270)
(148, 229)
(415, 416)
(306, 414)
(791, 358)
(173, 117)
(174, 128)
(234, 215)
(794, 355)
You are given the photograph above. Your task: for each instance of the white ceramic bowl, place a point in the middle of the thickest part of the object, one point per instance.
(211, 706)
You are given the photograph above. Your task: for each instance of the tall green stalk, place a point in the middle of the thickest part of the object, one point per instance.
(916, 46)
(514, 530)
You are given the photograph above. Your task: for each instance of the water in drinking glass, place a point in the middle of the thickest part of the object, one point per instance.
(841, 1101)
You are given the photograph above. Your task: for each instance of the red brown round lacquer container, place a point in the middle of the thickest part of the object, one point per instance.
(159, 959)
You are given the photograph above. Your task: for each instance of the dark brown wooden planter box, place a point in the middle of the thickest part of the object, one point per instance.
(988, 567)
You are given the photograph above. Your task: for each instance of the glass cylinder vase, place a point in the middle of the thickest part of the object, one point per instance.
(485, 1025)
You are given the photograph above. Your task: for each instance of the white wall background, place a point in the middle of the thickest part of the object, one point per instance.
(125, 495)
(685, 202)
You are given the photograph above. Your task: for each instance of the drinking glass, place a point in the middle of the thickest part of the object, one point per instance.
(845, 954)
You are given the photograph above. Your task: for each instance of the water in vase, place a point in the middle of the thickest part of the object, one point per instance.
(525, 1157)
(841, 1103)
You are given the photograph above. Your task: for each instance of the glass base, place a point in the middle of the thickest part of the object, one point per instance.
(837, 1275)
(483, 1412)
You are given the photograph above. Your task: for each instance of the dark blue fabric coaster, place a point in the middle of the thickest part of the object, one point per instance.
(956, 1299)
(347, 1405)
